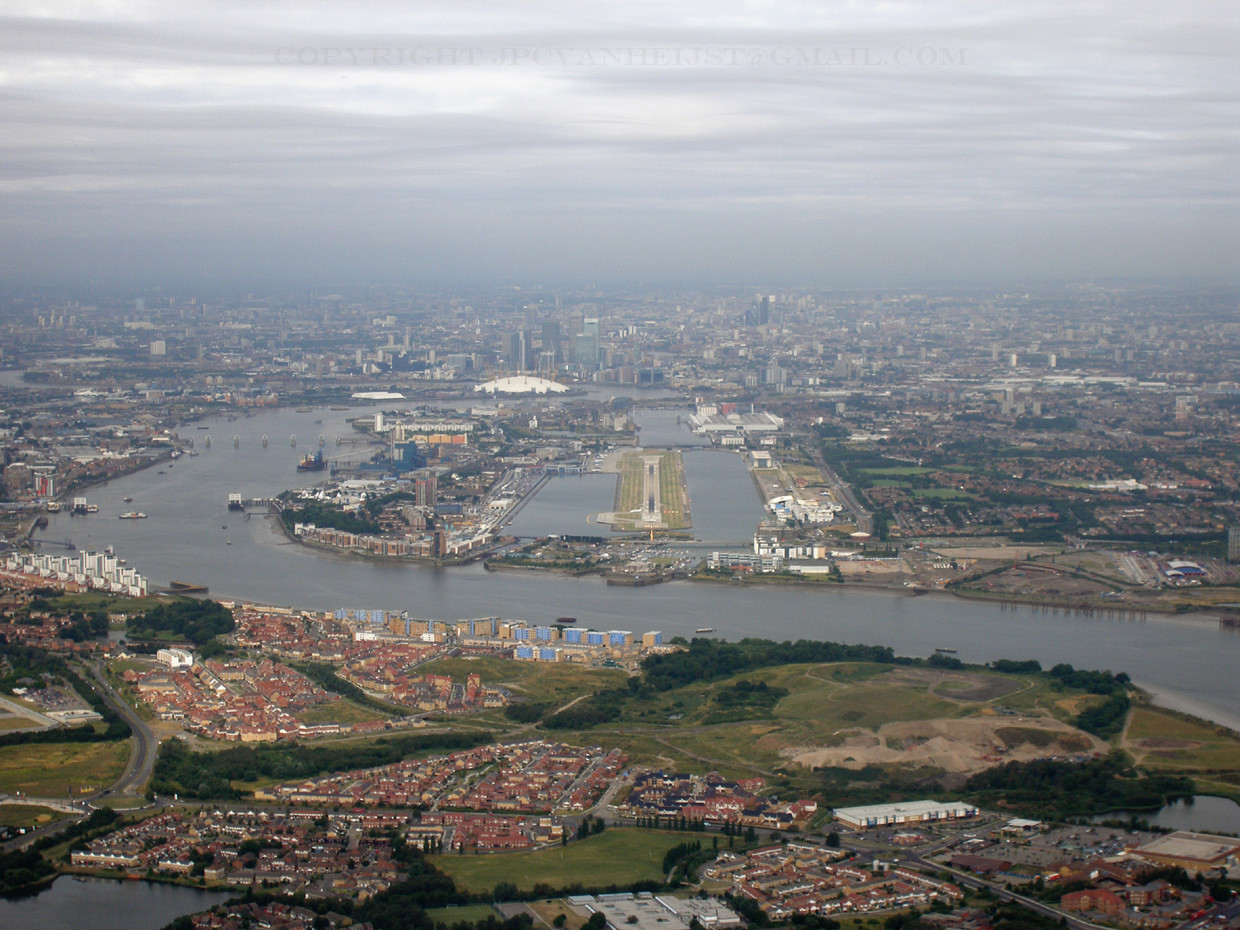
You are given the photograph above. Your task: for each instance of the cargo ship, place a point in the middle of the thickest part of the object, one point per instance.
(565, 621)
(314, 462)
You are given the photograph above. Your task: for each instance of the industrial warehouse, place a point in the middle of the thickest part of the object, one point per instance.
(903, 814)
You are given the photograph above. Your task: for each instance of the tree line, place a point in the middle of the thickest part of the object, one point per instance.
(208, 775)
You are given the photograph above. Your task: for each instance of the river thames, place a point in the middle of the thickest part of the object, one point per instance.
(1187, 662)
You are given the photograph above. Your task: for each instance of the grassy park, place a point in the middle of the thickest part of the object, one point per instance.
(616, 856)
(464, 913)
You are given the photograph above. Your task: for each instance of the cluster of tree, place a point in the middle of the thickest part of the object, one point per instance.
(748, 908)
(1017, 667)
(854, 464)
(29, 662)
(813, 922)
(1012, 916)
(712, 659)
(590, 826)
(325, 676)
(404, 905)
(208, 775)
(527, 711)
(85, 626)
(183, 618)
(1063, 790)
(22, 868)
(744, 700)
(375, 505)
(685, 858)
(750, 693)
(327, 516)
(600, 707)
(683, 824)
(1220, 889)
(1105, 719)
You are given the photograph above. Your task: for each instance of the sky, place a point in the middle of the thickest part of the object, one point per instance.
(162, 143)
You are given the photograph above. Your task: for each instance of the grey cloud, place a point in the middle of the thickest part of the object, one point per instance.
(1052, 139)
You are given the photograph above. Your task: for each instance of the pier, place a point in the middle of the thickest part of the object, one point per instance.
(251, 504)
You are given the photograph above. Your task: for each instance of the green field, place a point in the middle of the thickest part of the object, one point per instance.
(811, 475)
(1165, 741)
(629, 492)
(943, 494)
(342, 712)
(703, 725)
(26, 815)
(540, 682)
(615, 857)
(54, 769)
(631, 497)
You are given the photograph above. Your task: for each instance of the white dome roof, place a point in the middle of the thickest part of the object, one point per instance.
(521, 384)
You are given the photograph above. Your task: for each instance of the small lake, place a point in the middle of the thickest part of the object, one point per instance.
(74, 903)
(1201, 814)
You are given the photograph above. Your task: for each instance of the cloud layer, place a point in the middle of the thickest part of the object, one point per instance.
(159, 141)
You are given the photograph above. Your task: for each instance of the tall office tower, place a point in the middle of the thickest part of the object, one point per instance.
(759, 313)
(551, 340)
(586, 344)
(518, 354)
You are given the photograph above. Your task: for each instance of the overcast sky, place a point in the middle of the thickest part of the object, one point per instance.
(169, 143)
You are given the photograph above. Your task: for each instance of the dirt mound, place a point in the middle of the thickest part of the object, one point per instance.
(959, 746)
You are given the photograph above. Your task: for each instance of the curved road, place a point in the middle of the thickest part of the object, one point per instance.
(142, 756)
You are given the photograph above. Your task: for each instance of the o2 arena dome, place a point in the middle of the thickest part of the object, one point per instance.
(521, 384)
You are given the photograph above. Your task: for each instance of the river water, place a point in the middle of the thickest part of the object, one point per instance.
(1188, 662)
(100, 904)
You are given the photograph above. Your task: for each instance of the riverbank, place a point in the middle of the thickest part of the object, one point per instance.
(77, 489)
(1049, 604)
(1114, 608)
(472, 556)
(494, 565)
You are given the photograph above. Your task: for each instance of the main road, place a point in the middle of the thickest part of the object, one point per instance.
(865, 519)
(142, 756)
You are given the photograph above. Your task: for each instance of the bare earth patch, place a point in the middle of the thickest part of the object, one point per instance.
(964, 687)
(960, 746)
(1166, 743)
